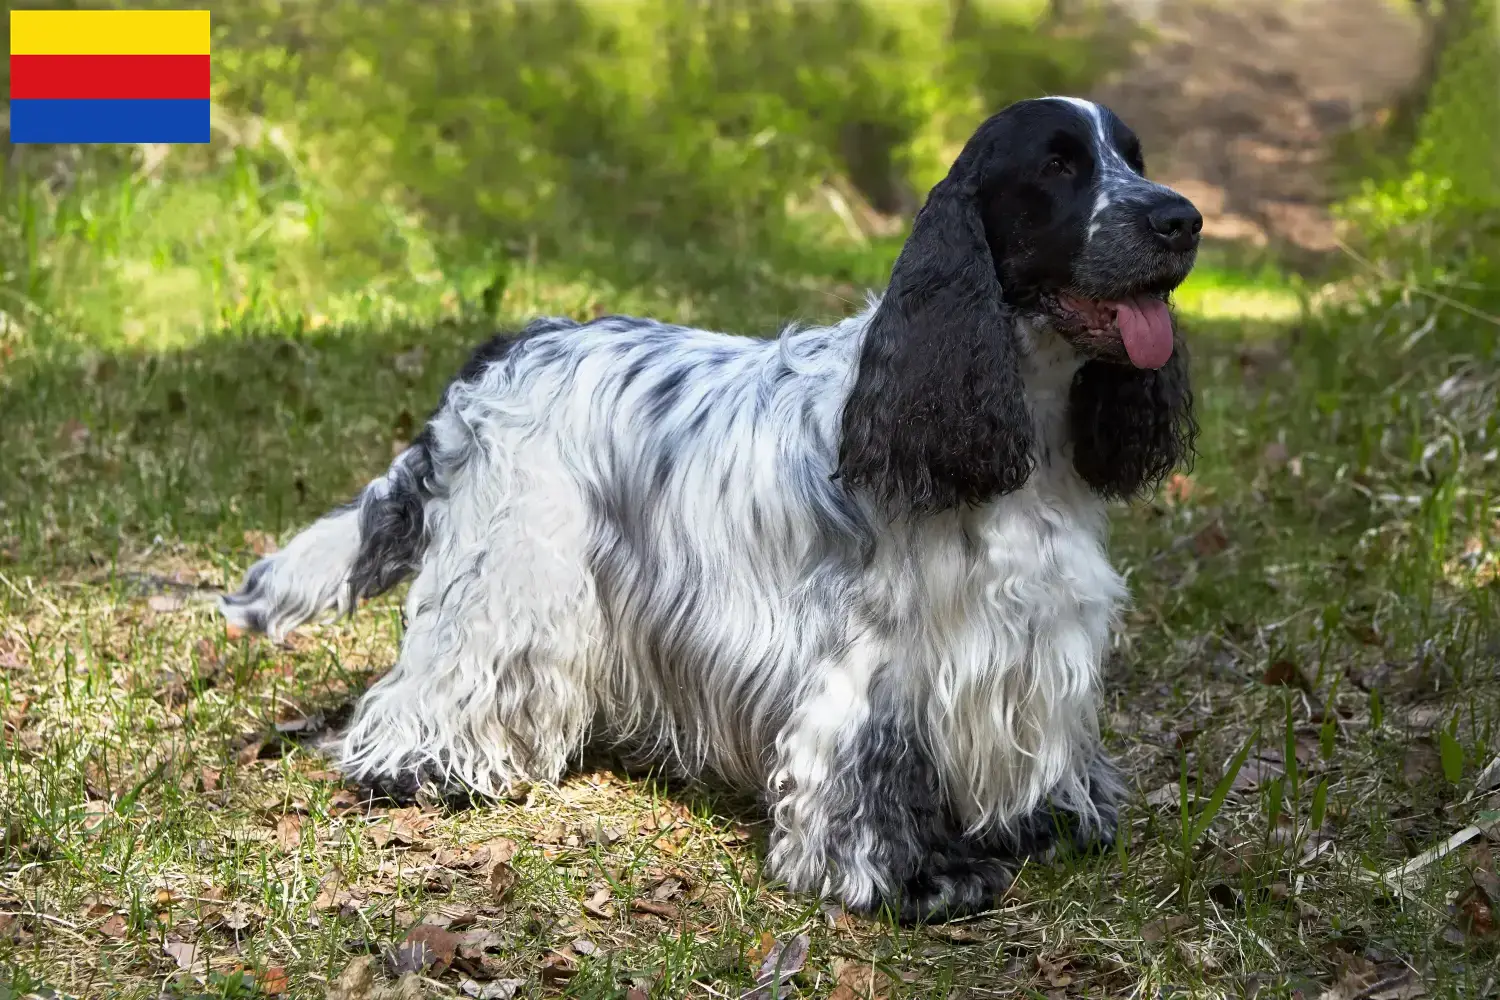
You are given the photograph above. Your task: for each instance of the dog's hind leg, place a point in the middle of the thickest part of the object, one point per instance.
(359, 550)
(492, 686)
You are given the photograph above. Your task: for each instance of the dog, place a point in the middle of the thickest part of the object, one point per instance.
(860, 568)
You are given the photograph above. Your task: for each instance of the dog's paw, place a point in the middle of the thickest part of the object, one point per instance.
(949, 888)
(423, 785)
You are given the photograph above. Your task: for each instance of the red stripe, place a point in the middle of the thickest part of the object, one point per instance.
(109, 77)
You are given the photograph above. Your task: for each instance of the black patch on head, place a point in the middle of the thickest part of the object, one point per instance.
(1131, 427)
(1124, 140)
(1036, 194)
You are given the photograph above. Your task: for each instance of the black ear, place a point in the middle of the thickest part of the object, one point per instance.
(1131, 427)
(937, 416)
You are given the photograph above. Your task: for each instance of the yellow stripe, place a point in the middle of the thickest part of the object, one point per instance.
(108, 32)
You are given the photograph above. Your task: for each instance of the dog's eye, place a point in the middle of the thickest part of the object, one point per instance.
(1057, 167)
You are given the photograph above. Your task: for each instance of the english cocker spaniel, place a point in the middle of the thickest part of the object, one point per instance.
(860, 568)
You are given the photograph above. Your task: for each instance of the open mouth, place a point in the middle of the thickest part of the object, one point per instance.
(1141, 323)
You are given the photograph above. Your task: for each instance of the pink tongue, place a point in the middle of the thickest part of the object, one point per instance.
(1146, 329)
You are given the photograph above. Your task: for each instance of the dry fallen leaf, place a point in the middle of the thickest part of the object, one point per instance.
(273, 982)
(114, 927)
(289, 832)
(503, 880)
(262, 543)
(1283, 673)
(1362, 980)
(783, 959)
(1474, 915)
(250, 754)
(597, 905)
(1055, 971)
(166, 602)
(1211, 540)
(650, 906)
(1180, 489)
(356, 982)
(1160, 930)
(558, 968)
(188, 956)
(859, 981)
(426, 947)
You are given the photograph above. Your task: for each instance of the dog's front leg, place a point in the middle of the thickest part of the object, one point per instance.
(860, 812)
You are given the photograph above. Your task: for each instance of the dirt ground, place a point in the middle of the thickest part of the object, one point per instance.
(1238, 103)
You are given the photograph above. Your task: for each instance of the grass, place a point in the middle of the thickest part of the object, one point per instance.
(199, 356)
(1338, 536)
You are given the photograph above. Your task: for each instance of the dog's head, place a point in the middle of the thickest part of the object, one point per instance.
(1046, 214)
(1074, 227)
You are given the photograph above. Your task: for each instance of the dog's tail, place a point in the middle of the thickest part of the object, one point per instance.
(359, 550)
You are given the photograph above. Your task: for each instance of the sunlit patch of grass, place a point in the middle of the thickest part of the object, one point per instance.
(1217, 291)
(1304, 572)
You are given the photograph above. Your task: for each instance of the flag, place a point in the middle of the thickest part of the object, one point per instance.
(89, 76)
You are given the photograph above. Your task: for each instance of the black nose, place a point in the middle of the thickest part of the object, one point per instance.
(1176, 223)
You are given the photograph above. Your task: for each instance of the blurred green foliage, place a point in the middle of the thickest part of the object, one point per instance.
(597, 127)
(1435, 224)
(407, 151)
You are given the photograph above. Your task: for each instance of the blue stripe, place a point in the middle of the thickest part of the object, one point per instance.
(108, 121)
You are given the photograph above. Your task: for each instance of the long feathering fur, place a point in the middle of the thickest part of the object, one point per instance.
(860, 567)
(937, 414)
